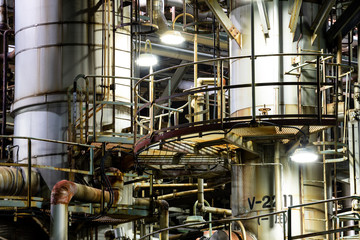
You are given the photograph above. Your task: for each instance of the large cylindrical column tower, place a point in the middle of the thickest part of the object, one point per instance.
(254, 182)
(281, 100)
(55, 41)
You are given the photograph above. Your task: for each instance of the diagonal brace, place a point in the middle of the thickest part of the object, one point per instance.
(224, 20)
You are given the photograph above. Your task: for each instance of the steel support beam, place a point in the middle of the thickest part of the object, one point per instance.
(295, 15)
(238, 141)
(264, 18)
(347, 21)
(321, 17)
(229, 27)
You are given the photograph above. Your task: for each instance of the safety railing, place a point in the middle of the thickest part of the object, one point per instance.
(336, 229)
(30, 165)
(209, 103)
(286, 226)
(95, 95)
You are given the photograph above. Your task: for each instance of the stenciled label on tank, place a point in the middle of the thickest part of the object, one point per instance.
(267, 202)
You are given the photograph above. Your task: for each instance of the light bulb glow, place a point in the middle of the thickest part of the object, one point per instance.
(147, 60)
(172, 37)
(304, 155)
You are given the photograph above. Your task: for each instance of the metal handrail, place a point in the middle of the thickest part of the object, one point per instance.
(288, 211)
(290, 237)
(221, 109)
(221, 221)
(29, 165)
(229, 58)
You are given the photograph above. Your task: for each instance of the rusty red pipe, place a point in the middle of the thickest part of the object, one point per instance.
(61, 195)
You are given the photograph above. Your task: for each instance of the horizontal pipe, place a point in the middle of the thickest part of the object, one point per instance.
(61, 195)
(170, 185)
(219, 211)
(65, 191)
(175, 52)
(181, 194)
(13, 181)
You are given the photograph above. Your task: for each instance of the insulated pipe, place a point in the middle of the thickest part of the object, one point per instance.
(218, 211)
(61, 195)
(181, 194)
(201, 201)
(158, 16)
(164, 213)
(176, 53)
(201, 192)
(164, 218)
(13, 181)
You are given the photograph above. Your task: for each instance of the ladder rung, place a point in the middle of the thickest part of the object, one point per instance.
(314, 181)
(312, 200)
(315, 219)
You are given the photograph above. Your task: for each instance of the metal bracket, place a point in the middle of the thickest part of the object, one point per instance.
(229, 27)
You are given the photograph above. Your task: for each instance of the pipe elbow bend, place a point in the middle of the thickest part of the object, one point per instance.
(63, 192)
(163, 205)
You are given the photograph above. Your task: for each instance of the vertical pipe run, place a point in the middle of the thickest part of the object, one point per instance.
(59, 222)
(4, 89)
(201, 192)
(253, 106)
(164, 223)
(338, 61)
(278, 191)
(319, 108)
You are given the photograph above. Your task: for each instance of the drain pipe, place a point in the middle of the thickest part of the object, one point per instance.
(164, 213)
(61, 195)
(201, 201)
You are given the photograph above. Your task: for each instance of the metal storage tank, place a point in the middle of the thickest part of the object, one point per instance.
(55, 41)
(271, 69)
(253, 182)
(253, 193)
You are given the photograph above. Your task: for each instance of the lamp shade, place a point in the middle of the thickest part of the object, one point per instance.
(304, 155)
(172, 37)
(147, 60)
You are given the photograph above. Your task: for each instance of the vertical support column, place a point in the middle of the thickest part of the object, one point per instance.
(289, 223)
(151, 99)
(253, 102)
(278, 191)
(319, 108)
(29, 174)
(94, 109)
(4, 88)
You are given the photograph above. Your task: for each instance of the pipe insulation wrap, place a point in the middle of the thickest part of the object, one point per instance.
(13, 181)
(65, 191)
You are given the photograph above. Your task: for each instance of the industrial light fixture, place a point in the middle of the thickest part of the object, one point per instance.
(147, 59)
(173, 37)
(304, 155)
